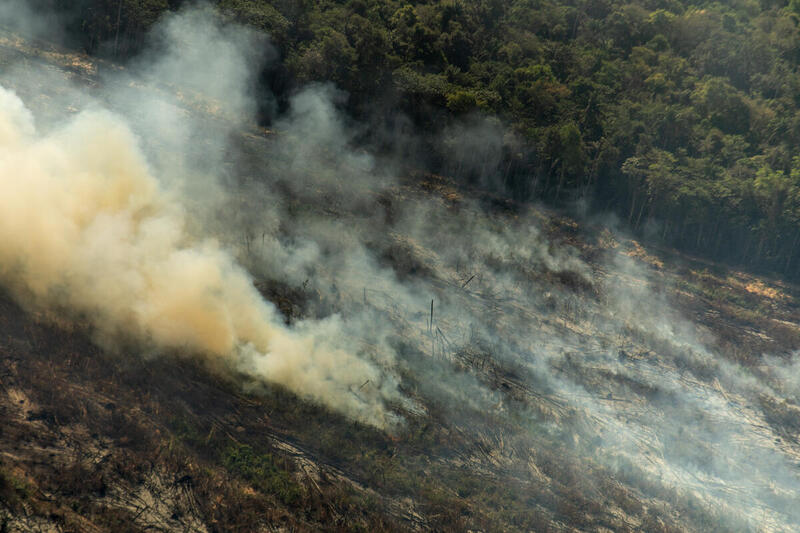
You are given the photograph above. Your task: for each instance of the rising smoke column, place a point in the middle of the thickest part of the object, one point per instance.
(85, 228)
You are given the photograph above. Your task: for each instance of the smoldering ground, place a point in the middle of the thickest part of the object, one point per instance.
(152, 220)
(88, 228)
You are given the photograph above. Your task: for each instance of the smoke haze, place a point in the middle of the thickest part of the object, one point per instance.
(151, 221)
(86, 228)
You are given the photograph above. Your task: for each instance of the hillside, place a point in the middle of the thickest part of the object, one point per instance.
(679, 116)
(428, 354)
(93, 442)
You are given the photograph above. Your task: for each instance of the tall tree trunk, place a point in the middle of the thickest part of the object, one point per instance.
(639, 217)
(119, 20)
(791, 251)
(760, 245)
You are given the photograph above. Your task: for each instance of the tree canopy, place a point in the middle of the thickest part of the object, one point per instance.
(681, 116)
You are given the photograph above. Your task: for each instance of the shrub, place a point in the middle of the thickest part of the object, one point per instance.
(262, 471)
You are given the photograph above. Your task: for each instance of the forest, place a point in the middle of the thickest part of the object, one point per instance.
(455, 265)
(679, 116)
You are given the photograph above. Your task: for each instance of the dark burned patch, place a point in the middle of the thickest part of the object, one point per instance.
(515, 383)
(610, 384)
(401, 257)
(294, 303)
(500, 206)
(560, 226)
(387, 207)
(574, 282)
(783, 416)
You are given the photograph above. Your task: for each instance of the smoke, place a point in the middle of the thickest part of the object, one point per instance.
(26, 17)
(186, 50)
(150, 221)
(473, 151)
(87, 228)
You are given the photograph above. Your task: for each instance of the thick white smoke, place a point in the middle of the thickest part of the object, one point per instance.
(86, 227)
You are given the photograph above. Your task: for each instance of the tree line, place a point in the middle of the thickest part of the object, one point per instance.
(680, 116)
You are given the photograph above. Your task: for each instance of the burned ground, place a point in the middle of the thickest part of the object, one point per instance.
(537, 384)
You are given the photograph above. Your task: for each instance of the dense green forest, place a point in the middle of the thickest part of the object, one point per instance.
(680, 116)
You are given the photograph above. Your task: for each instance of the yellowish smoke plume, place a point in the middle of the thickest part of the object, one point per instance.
(85, 228)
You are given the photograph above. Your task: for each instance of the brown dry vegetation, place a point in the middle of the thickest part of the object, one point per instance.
(92, 441)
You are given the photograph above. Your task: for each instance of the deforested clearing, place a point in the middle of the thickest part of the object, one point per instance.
(239, 293)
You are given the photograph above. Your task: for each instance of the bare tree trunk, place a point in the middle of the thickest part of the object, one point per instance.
(791, 251)
(633, 207)
(718, 240)
(639, 217)
(119, 19)
(746, 249)
(760, 246)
